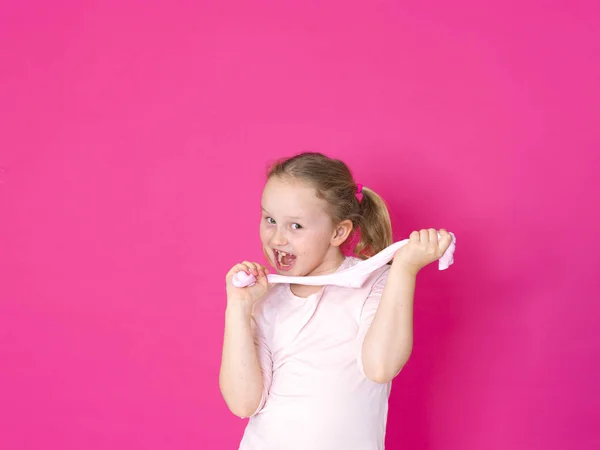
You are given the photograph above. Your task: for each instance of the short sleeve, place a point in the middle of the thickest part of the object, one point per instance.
(368, 312)
(265, 361)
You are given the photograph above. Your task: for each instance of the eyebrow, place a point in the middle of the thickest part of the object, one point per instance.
(288, 217)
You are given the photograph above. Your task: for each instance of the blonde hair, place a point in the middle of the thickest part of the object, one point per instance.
(334, 183)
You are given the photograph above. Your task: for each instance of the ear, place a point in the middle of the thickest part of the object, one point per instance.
(341, 233)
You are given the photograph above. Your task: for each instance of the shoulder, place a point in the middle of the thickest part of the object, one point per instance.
(265, 307)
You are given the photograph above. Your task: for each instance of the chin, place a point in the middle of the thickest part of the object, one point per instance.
(287, 273)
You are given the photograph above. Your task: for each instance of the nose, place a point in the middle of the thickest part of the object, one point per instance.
(278, 239)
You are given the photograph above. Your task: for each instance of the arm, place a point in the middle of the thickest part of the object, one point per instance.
(240, 377)
(389, 340)
(246, 365)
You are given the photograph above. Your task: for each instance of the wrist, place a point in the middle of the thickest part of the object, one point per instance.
(238, 307)
(405, 269)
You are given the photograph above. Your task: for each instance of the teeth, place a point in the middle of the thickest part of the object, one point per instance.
(280, 256)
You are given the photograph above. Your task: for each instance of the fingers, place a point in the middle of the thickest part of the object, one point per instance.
(256, 269)
(263, 280)
(433, 236)
(262, 274)
(251, 268)
(425, 236)
(437, 239)
(445, 240)
(235, 269)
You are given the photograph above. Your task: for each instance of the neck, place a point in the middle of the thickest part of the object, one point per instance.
(332, 261)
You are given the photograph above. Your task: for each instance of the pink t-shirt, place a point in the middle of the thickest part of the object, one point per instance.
(316, 396)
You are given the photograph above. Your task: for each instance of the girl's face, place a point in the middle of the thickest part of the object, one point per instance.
(297, 234)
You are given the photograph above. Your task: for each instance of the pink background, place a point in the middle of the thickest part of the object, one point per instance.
(133, 142)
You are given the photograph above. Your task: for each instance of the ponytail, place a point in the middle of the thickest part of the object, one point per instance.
(375, 226)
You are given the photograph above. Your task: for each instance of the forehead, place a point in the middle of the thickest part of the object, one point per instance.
(292, 198)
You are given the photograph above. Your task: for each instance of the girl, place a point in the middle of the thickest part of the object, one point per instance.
(312, 366)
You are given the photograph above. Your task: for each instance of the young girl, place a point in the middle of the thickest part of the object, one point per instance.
(310, 365)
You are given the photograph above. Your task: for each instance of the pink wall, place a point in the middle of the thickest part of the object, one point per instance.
(133, 141)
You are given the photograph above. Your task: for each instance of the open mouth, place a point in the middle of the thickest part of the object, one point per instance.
(283, 260)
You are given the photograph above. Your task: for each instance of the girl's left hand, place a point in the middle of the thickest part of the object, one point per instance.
(423, 248)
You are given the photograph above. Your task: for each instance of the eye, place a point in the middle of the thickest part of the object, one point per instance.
(296, 226)
(270, 220)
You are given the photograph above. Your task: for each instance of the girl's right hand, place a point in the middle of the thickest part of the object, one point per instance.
(246, 296)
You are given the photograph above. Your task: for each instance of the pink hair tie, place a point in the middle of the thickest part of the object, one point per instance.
(359, 194)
